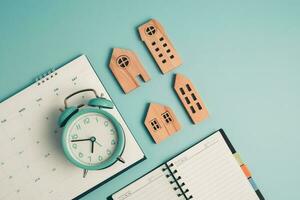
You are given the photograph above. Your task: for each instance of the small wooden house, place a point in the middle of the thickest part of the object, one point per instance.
(126, 66)
(161, 122)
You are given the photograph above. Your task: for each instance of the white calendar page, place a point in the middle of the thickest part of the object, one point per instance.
(32, 163)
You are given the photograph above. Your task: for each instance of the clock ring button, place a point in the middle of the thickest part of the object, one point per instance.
(93, 139)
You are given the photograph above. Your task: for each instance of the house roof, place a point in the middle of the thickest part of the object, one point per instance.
(153, 108)
(151, 22)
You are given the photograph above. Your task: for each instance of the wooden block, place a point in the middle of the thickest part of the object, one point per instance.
(190, 98)
(126, 66)
(159, 45)
(161, 122)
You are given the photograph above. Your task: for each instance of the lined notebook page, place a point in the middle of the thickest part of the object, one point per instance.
(210, 171)
(152, 186)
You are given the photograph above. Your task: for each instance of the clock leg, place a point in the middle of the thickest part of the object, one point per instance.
(85, 173)
(121, 159)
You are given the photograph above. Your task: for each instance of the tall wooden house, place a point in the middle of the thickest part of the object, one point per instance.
(190, 98)
(159, 45)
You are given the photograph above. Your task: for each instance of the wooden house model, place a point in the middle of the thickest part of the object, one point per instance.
(159, 45)
(126, 66)
(190, 98)
(161, 122)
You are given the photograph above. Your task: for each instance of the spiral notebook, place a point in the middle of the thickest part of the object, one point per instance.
(210, 170)
(32, 163)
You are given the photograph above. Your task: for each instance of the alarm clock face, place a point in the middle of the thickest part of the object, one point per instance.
(91, 139)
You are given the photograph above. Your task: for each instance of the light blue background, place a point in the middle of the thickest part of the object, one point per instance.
(243, 56)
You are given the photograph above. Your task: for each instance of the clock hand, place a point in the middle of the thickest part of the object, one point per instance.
(93, 140)
(81, 140)
(93, 146)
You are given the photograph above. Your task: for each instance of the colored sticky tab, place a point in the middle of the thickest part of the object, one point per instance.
(253, 184)
(238, 159)
(246, 171)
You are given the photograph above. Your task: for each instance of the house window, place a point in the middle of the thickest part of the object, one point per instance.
(194, 96)
(167, 117)
(188, 87)
(123, 61)
(187, 100)
(192, 109)
(155, 125)
(182, 91)
(150, 30)
(199, 106)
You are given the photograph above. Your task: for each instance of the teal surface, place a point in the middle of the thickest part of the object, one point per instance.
(243, 56)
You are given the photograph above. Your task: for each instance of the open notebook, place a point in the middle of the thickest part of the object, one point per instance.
(32, 163)
(210, 170)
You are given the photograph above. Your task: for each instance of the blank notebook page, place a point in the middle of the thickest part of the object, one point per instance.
(210, 171)
(153, 186)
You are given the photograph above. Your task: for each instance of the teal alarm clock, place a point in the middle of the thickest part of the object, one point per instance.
(92, 138)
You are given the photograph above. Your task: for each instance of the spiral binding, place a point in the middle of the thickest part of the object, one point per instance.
(46, 77)
(180, 185)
